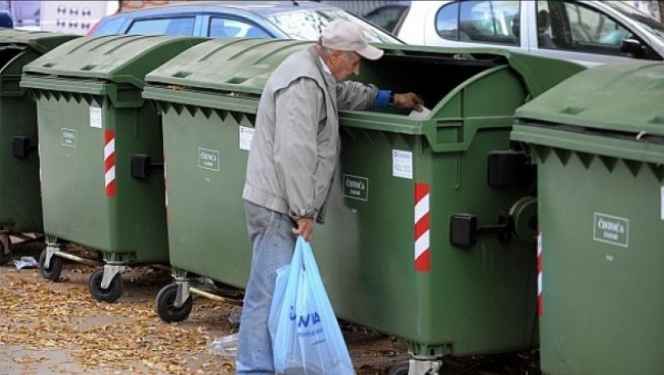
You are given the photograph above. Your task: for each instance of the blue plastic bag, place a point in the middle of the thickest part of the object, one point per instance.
(306, 338)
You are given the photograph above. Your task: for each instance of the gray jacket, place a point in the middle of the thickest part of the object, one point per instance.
(296, 143)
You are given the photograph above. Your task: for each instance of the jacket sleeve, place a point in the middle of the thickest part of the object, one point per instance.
(356, 96)
(298, 114)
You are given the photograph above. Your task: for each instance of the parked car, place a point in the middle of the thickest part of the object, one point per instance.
(220, 19)
(588, 32)
(6, 19)
(388, 17)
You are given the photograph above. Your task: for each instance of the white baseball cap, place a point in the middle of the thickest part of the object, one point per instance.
(348, 36)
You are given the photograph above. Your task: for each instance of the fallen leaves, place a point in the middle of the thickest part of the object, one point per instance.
(128, 338)
(124, 337)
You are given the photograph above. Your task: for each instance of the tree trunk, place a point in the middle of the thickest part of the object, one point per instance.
(661, 10)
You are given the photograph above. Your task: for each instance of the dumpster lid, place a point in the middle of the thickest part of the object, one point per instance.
(115, 58)
(244, 65)
(41, 41)
(615, 97)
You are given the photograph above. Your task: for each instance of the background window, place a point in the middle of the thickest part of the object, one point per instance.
(388, 17)
(110, 27)
(480, 21)
(490, 21)
(164, 26)
(573, 27)
(232, 28)
(447, 21)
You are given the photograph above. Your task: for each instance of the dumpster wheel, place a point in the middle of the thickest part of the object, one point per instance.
(55, 267)
(165, 305)
(400, 368)
(418, 366)
(5, 253)
(109, 295)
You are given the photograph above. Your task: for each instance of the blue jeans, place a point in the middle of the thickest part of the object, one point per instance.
(273, 243)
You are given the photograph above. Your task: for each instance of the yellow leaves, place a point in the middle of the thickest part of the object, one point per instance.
(127, 338)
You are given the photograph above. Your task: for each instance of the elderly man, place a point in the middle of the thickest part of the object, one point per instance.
(292, 162)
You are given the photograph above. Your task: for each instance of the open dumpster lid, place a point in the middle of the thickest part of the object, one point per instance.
(115, 58)
(244, 65)
(41, 41)
(616, 97)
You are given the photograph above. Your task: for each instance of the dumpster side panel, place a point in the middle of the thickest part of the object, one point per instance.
(205, 176)
(479, 300)
(20, 208)
(483, 298)
(365, 249)
(139, 213)
(601, 250)
(72, 171)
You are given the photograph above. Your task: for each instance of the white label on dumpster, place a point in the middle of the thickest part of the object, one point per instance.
(612, 230)
(402, 164)
(68, 137)
(208, 159)
(246, 135)
(662, 200)
(95, 117)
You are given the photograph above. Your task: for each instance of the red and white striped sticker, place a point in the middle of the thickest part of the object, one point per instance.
(540, 298)
(109, 162)
(422, 253)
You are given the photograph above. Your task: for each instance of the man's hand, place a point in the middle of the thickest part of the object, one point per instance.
(305, 228)
(409, 100)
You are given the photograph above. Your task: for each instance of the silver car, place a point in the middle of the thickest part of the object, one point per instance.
(588, 32)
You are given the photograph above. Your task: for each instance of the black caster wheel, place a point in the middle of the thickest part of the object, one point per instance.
(165, 305)
(109, 295)
(55, 267)
(5, 254)
(400, 368)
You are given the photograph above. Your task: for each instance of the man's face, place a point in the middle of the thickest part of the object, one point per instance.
(343, 64)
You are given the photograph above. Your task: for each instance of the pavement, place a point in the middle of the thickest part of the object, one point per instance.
(49, 328)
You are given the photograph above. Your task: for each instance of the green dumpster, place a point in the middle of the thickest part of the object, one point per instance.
(101, 151)
(465, 283)
(20, 203)
(598, 141)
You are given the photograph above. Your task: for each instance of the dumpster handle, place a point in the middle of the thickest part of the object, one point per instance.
(464, 229)
(21, 147)
(141, 166)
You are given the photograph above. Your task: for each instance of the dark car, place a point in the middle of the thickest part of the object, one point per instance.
(221, 19)
(6, 19)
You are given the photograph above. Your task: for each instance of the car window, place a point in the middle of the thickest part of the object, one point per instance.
(480, 21)
(653, 26)
(447, 21)
(387, 17)
(164, 26)
(574, 27)
(110, 27)
(232, 28)
(307, 24)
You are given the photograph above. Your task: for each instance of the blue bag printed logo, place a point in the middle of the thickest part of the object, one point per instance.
(306, 338)
(304, 320)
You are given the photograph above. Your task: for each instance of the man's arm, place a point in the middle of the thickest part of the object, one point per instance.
(356, 96)
(295, 146)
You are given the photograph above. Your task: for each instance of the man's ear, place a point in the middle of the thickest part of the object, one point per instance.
(335, 54)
